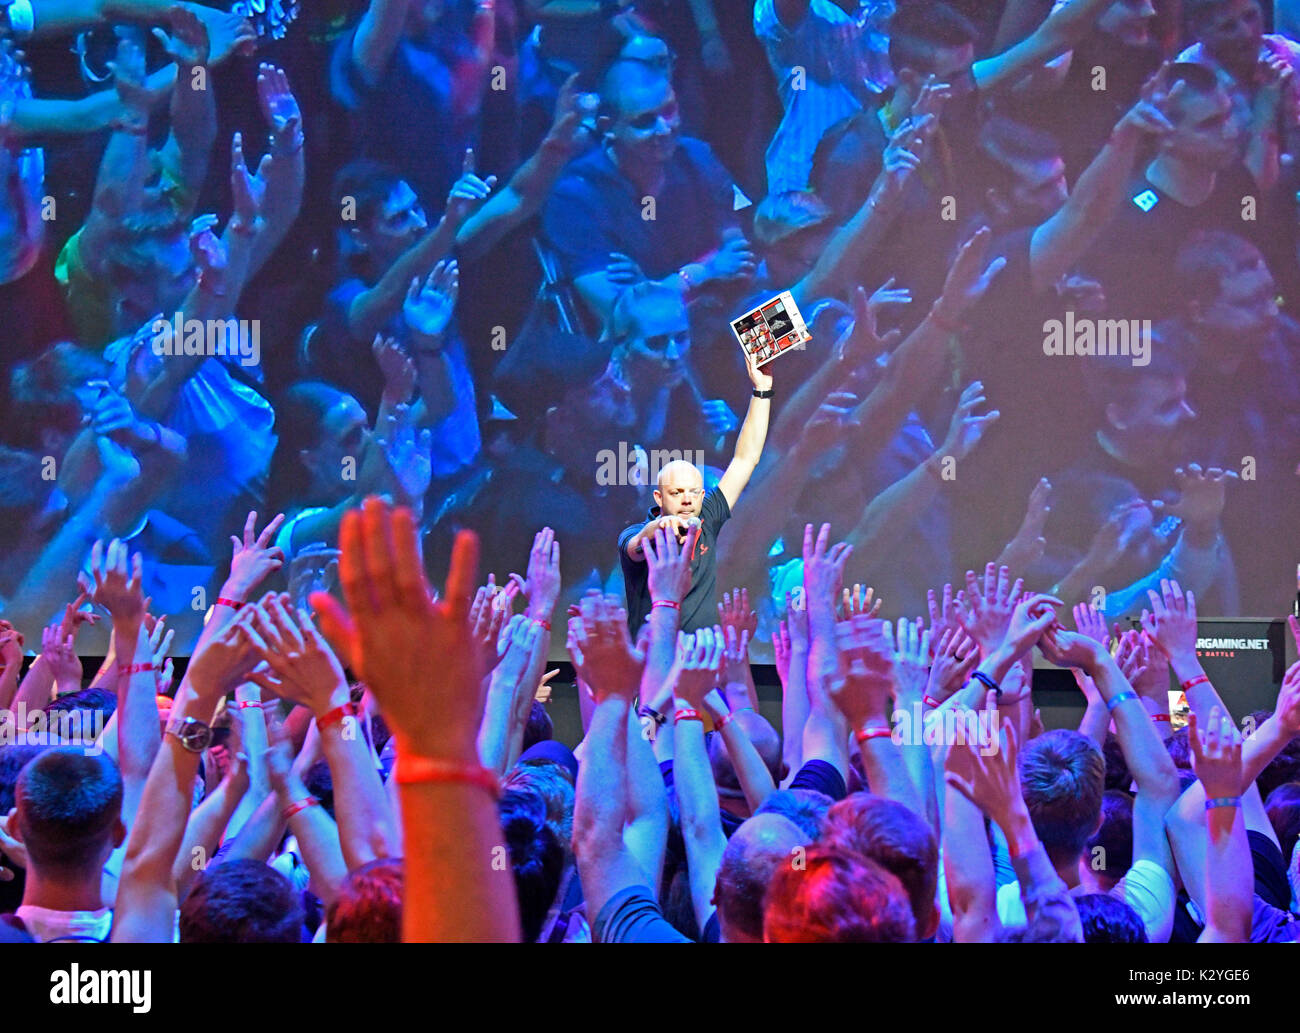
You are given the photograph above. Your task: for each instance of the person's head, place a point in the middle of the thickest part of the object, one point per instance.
(680, 489)
(148, 265)
(368, 908)
(651, 337)
(805, 807)
(1206, 136)
(322, 431)
(380, 216)
(1106, 919)
(1285, 767)
(1144, 409)
(638, 116)
(928, 39)
(69, 813)
(899, 840)
(551, 784)
(1230, 30)
(792, 228)
(1283, 808)
(87, 710)
(837, 896)
(756, 850)
(1180, 749)
(1110, 850)
(1129, 21)
(53, 394)
(242, 901)
(1228, 294)
(535, 854)
(1030, 186)
(1118, 775)
(539, 727)
(767, 742)
(647, 51)
(1063, 776)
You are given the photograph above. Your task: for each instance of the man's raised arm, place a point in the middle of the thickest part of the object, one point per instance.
(753, 433)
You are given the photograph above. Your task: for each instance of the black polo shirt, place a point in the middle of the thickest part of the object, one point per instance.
(700, 607)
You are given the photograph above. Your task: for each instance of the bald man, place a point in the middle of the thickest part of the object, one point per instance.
(680, 499)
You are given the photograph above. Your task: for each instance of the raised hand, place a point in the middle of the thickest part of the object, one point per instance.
(1216, 754)
(861, 344)
(1026, 548)
(945, 613)
(129, 80)
(486, 619)
(1090, 621)
(955, 657)
(188, 44)
(247, 190)
(1033, 615)
(696, 667)
(903, 155)
(823, 568)
(542, 586)
(224, 660)
(830, 423)
(468, 192)
(969, 277)
(1070, 648)
(575, 117)
(254, 556)
(1287, 710)
(1171, 621)
(966, 429)
(300, 666)
(1148, 117)
(735, 612)
(119, 593)
(227, 33)
(718, 417)
(601, 651)
(864, 685)
(860, 601)
(407, 452)
(416, 655)
(61, 657)
(668, 565)
(430, 303)
(278, 104)
(734, 260)
(160, 647)
(735, 655)
(209, 255)
(398, 370)
(989, 608)
(911, 657)
(623, 270)
(1202, 494)
(986, 774)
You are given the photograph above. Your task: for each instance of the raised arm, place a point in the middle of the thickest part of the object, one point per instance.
(377, 36)
(1216, 759)
(1061, 30)
(193, 105)
(417, 658)
(753, 432)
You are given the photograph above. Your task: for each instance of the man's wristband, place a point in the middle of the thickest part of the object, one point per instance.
(1162, 717)
(248, 704)
(234, 604)
(764, 394)
(687, 714)
(542, 623)
(728, 717)
(653, 714)
(930, 701)
(300, 806)
(336, 716)
(864, 735)
(1222, 801)
(666, 602)
(1199, 679)
(1120, 698)
(426, 770)
(987, 682)
(126, 670)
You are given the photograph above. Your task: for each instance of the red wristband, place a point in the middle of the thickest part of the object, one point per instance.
(729, 716)
(1192, 682)
(687, 714)
(425, 770)
(126, 670)
(862, 735)
(545, 625)
(301, 805)
(930, 701)
(1161, 717)
(336, 716)
(665, 602)
(234, 604)
(245, 704)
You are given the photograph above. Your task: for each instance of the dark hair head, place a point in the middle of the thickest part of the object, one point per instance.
(1179, 750)
(837, 897)
(1114, 839)
(319, 781)
(1063, 776)
(761, 845)
(535, 854)
(539, 727)
(368, 184)
(242, 901)
(805, 807)
(1283, 808)
(895, 837)
(12, 760)
(1283, 768)
(1113, 378)
(69, 808)
(86, 701)
(1108, 920)
(42, 391)
(299, 418)
(1205, 259)
(1118, 775)
(551, 783)
(368, 908)
(917, 31)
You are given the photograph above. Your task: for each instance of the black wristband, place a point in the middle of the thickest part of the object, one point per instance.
(988, 682)
(763, 394)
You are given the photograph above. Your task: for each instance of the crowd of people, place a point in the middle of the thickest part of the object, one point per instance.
(422, 277)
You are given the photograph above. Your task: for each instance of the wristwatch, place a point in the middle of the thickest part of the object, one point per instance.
(193, 734)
